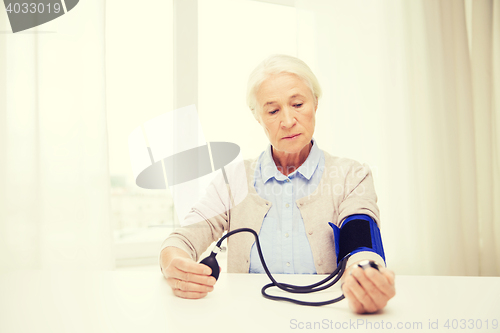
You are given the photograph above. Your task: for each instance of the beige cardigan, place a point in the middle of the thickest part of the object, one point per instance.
(346, 188)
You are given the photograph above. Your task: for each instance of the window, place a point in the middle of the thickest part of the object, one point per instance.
(233, 36)
(139, 67)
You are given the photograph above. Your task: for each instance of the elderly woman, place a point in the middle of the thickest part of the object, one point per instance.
(294, 190)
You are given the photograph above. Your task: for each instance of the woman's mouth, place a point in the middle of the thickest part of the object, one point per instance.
(291, 137)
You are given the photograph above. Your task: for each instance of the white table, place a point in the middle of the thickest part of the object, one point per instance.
(136, 301)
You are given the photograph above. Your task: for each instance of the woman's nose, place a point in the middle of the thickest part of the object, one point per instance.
(287, 118)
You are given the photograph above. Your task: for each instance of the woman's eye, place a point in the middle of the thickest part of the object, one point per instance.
(273, 112)
(298, 105)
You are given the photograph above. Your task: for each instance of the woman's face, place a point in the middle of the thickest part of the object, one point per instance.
(286, 109)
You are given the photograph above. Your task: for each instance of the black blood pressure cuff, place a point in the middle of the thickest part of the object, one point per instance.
(358, 233)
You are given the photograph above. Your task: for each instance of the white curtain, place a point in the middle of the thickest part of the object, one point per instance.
(413, 89)
(54, 184)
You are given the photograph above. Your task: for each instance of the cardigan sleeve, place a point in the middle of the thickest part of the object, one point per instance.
(359, 194)
(205, 223)
(360, 198)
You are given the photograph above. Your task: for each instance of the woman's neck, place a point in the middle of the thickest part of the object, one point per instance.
(287, 163)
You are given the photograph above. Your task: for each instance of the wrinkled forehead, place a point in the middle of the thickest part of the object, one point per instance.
(283, 86)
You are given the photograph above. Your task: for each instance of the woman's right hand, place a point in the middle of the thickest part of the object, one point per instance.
(187, 278)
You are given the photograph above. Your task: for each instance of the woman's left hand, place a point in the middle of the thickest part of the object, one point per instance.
(368, 290)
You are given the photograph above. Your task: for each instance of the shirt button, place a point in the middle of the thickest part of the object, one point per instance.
(286, 235)
(288, 264)
(287, 205)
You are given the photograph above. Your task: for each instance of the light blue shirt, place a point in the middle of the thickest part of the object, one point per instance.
(282, 235)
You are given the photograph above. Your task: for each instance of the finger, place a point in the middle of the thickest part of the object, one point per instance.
(359, 291)
(176, 284)
(383, 281)
(364, 278)
(354, 304)
(173, 271)
(188, 294)
(187, 265)
(389, 275)
(193, 278)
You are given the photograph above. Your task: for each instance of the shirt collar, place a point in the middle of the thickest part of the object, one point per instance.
(269, 169)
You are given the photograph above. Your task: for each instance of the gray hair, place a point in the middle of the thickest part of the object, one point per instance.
(277, 64)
